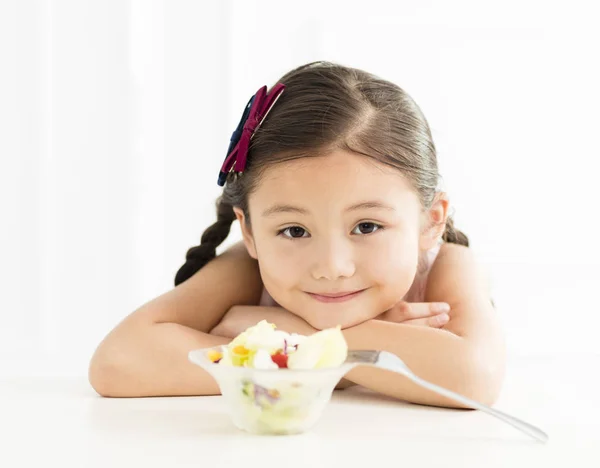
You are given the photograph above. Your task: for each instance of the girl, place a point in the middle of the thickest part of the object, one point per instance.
(333, 178)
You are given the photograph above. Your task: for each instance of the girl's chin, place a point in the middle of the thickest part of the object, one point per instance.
(322, 315)
(322, 319)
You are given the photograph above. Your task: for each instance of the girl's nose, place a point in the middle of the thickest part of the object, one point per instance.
(334, 259)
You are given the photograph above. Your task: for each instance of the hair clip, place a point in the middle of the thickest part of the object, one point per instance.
(253, 116)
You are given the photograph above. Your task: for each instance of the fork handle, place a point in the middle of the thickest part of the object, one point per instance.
(527, 428)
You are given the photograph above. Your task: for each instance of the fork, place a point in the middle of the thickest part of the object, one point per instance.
(389, 361)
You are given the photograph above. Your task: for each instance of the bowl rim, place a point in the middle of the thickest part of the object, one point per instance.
(199, 355)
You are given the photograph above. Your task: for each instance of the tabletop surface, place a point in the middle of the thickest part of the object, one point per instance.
(61, 421)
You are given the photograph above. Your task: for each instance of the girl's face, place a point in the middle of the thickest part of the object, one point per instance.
(337, 237)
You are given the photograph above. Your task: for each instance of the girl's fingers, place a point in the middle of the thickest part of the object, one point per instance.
(436, 321)
(417, 310)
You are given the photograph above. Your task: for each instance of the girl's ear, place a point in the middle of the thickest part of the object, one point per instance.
(246, 233)
(435, 222)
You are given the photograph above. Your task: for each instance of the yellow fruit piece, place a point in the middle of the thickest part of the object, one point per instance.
(240, 350)
(325, 348)
(240, 356)
(214, 356)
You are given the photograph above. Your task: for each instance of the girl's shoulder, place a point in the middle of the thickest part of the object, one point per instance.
(457, 269)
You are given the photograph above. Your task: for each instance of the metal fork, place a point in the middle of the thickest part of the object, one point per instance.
(389, 361)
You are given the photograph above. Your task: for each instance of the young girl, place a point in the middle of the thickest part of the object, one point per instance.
(333, 178)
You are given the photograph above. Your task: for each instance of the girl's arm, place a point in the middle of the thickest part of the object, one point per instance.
(146, 354)
(466, 356)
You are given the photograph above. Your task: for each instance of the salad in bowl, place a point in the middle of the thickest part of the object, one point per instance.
(276, 382)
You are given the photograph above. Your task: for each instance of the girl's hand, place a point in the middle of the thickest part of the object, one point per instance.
(428, 314)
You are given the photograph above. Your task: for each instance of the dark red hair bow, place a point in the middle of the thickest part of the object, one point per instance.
(254, 114)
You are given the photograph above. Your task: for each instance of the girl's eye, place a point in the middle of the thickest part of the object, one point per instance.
(294, 232)
(366, 228)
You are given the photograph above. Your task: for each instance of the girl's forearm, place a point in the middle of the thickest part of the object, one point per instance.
(433, 354)
(152, 361)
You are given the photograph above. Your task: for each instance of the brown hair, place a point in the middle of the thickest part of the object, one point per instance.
(326, 106)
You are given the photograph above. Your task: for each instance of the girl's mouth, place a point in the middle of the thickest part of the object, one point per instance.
(335, 297)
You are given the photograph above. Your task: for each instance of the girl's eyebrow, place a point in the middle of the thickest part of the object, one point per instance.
(371, 204)
(276, 209)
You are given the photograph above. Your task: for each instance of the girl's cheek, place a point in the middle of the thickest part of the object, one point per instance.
(392, 272)
(280, 268)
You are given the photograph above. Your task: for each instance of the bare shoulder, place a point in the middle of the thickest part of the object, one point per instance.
(232, 278)
(455, 268)
(456, 277)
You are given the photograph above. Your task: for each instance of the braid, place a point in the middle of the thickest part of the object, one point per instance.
(454, 236)
(198, 256)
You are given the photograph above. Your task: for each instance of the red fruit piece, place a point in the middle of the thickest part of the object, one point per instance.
(280, 360)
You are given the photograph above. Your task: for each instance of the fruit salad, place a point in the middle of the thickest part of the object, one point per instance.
(277, 402)
(264, 347)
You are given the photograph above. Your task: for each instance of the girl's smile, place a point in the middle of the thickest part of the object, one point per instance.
(335, 297)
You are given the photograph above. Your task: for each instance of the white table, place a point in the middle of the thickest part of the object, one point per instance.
(62, 422)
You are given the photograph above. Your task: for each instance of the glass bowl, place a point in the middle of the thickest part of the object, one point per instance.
(274, 401)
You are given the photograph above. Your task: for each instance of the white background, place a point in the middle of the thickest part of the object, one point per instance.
(115, 117)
